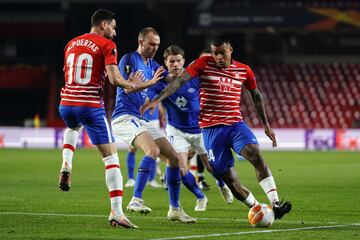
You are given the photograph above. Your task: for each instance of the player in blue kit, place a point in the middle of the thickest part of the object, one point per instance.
(133, 129)
(154, 119)
(157, 119)
(183, 129)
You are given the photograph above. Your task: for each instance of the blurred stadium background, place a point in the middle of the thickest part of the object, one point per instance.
(305, 55)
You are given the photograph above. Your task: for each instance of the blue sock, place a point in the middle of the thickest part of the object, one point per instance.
(189, 181)
(146, 164)
(173, 181)
(152, 173)
(219, 181)
(130, 163)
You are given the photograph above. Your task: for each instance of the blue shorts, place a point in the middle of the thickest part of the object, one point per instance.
(219, 141)
(93, 119)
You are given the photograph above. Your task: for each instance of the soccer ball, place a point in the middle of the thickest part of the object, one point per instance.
(261, 215)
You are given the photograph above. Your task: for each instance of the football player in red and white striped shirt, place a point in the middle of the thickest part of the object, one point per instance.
(87, 58)
(222, 79)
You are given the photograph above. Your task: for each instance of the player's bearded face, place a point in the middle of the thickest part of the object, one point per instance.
(222, 55)
(150, 45)
(175, 64)
(109, 29)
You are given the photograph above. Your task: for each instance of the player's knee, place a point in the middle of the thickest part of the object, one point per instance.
(76, 129)
(253, 154)
(152, 151)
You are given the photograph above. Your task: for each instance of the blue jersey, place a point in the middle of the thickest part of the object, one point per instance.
(150, 117)
(131, 103)
(183, 106)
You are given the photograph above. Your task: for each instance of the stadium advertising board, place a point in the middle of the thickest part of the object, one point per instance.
(288, 139)
(19, 137)
(336, 139)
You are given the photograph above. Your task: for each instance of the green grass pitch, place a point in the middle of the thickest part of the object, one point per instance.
(323, 187)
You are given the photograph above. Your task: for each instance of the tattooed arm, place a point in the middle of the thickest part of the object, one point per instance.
(259, 104)
(175, 83)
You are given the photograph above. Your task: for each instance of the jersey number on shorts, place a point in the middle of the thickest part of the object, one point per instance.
(82, 65)
(210, 154)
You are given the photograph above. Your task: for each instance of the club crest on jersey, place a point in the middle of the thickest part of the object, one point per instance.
(225, 84)
(191, 90)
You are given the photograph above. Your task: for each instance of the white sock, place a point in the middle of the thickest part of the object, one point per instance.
(114, 182)
(69, 145)
(269, 187)
(250, 201)
(193, 165)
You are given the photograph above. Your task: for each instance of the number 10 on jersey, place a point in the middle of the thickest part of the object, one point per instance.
(80, 68)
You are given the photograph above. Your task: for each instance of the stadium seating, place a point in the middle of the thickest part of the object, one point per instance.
(307, 95)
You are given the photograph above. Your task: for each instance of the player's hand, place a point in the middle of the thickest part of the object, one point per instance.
(271, 134)
(135, 79)
(158, 74)
(148, 105)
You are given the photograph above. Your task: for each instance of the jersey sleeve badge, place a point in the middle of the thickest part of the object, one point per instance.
(127, 69)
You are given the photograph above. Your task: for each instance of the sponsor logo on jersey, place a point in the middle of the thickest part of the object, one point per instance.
(181, 102)
(225, 84)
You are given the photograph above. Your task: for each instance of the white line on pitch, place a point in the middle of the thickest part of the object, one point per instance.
(148, 217)
(256, 232)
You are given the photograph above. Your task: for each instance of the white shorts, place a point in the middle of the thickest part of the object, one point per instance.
(128, 127)
(156, 124)
(183, 142)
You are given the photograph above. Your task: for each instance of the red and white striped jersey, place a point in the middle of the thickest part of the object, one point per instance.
(220, 91)
(85, 59)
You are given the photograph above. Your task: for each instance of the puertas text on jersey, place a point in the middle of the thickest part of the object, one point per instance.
(85, 43)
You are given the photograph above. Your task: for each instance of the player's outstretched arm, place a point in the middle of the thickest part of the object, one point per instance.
(175, 83)
(116, 79)
(157, 77)
(259, 104)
